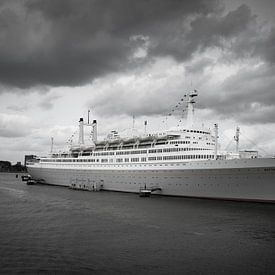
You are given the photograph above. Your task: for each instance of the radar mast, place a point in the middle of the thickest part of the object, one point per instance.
(190, 108)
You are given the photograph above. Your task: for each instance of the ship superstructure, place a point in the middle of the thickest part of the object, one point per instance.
(182, 161)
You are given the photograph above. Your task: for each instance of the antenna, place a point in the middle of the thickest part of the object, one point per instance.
(145, 126)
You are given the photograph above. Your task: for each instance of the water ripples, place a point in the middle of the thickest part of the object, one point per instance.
(46, 229)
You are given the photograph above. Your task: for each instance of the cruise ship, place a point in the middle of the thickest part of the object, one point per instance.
(182, 161)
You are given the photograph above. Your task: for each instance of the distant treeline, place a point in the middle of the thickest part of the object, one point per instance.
(6, 166)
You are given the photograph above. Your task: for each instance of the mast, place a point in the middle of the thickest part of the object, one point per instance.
(190, 108)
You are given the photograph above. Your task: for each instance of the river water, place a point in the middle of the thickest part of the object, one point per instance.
(54, 230)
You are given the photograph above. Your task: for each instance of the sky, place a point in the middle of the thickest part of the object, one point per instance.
(125, 58)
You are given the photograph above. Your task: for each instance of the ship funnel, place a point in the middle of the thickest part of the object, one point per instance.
(94, 131)
(81, 131)
(237, 138)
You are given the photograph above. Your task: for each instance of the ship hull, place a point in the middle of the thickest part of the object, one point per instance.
(233, 180)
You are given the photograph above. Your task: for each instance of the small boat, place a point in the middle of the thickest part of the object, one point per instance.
(145, 193)
(30, 181)
(25, 177)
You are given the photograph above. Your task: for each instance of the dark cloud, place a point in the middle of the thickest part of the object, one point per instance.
(204, 31)
(266, 48)
(71, 42)
(247, 96)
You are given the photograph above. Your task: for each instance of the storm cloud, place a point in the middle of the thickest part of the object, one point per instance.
(72, 42)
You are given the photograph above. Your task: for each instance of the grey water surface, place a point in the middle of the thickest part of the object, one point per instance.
(54, 230)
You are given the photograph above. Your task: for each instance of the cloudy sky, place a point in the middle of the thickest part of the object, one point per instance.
(121, 58)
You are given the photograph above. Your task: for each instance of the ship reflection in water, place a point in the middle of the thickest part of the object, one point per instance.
(56, 230)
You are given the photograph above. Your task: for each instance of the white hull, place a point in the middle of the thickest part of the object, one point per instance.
(241, 179)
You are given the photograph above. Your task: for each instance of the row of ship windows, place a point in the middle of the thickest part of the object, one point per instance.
(180, 142)
(198, 132)
(143, 159)
(188, 131)
(165, 150)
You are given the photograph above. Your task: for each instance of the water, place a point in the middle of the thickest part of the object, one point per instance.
(54, 230)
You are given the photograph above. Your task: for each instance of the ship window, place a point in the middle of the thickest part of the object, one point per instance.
(134, 159)
(151, 158)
